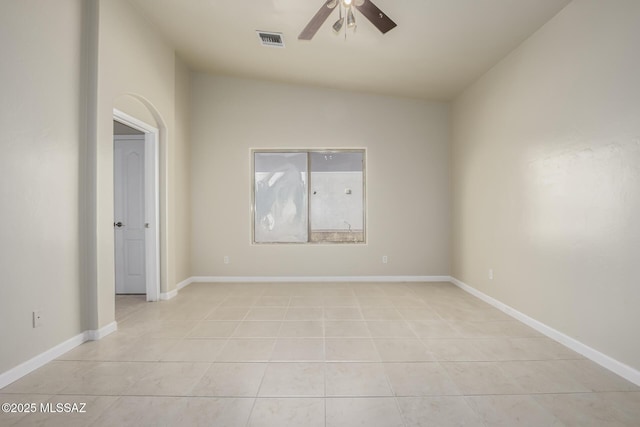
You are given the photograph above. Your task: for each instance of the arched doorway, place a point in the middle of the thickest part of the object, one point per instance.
(136, 208)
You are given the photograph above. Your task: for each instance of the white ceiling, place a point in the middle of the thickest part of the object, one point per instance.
(438, 48)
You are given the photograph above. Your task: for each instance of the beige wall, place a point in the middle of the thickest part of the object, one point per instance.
(407, 177)
(140, 74)
(546, 177)
(182, 182)
(56, 251)
(40, 139)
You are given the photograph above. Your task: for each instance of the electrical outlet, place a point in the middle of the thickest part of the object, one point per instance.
(226, 259)
(385, 259)
(37, 318)
(491, 274)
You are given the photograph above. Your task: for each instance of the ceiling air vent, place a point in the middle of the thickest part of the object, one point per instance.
(270, 39)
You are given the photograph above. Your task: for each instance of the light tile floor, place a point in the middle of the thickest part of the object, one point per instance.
(330, 354)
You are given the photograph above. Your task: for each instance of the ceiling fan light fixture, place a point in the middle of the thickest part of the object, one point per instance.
(337, 26)
(351, 19)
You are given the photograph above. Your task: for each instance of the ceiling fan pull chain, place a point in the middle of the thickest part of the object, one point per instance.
(345, 27)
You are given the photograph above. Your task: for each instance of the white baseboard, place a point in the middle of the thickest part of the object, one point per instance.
(42, 359)
(311, 279)
(184, 283)
(53, 353)
(625, 371)
(172, 294)
(165, 296)
(95, 335)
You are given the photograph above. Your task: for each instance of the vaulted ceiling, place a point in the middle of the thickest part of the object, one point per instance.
(438, 48)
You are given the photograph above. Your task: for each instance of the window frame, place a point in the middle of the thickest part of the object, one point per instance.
(308, 151)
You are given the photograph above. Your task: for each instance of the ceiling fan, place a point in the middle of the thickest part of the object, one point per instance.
(381, 21)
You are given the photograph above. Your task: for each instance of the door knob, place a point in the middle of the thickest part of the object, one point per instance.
(118, 224)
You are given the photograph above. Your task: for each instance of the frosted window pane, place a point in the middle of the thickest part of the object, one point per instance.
(280, 197)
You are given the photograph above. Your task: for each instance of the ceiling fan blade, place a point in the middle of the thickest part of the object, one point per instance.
(375, 15)
(318, 19)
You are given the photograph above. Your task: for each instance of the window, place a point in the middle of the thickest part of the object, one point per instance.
(309, 196)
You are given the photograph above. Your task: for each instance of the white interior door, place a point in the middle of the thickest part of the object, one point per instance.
(129, 215)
